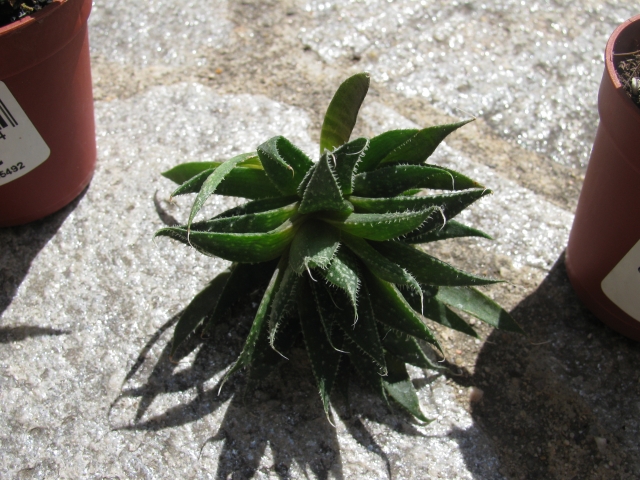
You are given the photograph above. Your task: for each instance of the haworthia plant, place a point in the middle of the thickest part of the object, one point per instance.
(335, 244)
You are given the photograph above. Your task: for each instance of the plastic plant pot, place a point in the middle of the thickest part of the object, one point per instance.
(603, 255)
(47, 127)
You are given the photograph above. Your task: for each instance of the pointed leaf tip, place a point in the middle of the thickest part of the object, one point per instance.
(476, 303)
(399, 387)
(322, 191)
(313, 246)
(284, 163)
(419, 147)
(426, 269)
(346, 158)
(211, 183)
(343, 111)
(343, 273)
(186, 171)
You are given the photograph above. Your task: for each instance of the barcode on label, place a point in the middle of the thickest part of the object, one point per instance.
(6, 118)
(22, 148)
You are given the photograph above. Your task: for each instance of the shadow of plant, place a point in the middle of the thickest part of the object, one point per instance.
(16, 334)
(549, 395)
(21, 244)
(283, 413)
(164, 216)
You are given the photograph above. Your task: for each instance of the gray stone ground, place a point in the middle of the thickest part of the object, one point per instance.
(88, 300)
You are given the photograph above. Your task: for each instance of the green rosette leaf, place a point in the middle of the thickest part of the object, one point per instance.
(259, 326)
(239, 182)
(258, 222)
(399, 387)
(392, 309)
(186, 171)
(420, 146)
(266, 354)
(362, 330)
(475, 303)
(406, 348)
(324, 305)
(381, 146)
(314, 245)
(367, 369)
(381, 226)
(258, 206)
(396, 179)
(450, 204)
(322, 192)
(452, 229)
(377, 263)
(343, 111)
(211, 183)
(345, 159)
(236, 247)
(284, 303)
(426, 269)
(435, 310)
(325, 359)
(343, 273)
(284, 163)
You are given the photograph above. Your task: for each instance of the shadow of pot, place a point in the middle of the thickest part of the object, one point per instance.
(47, 127)
(603, 254)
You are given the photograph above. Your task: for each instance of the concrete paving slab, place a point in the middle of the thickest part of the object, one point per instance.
(162, 33)
(530, 69)
(116, 289)
(88, 300)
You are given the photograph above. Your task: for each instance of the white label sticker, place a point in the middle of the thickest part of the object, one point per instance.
(21, 147)
(622, 284)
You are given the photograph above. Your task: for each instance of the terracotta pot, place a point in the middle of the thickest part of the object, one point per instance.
(47, 128)
(603, 255)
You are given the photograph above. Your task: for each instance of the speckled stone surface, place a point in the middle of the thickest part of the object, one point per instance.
(88, 299)
(525, 66)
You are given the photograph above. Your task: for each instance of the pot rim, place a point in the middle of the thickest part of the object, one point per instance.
(609, 53)
(24, 22)
(31, 40)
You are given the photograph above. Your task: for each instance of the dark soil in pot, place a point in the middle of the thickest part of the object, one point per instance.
(12, 10)
(628, 71)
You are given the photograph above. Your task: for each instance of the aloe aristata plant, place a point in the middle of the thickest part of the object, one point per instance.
(336, 244)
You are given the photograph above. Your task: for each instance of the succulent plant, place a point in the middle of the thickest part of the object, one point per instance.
(335, 244)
